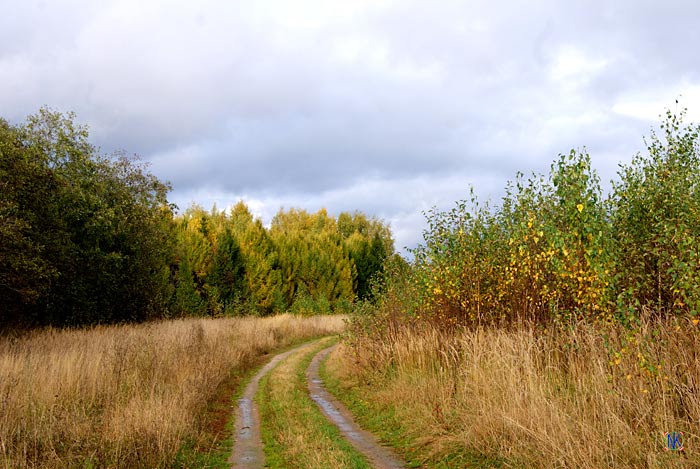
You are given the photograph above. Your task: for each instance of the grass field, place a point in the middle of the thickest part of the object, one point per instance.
(126, 396)
(589, 396)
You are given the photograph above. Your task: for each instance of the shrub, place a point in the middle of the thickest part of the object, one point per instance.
(557, 250)
(656, 224)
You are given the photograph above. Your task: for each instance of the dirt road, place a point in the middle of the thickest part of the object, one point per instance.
(248, 447)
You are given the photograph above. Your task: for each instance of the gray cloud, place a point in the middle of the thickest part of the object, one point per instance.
(385, 106)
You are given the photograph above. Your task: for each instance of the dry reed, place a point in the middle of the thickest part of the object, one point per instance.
(125, 396)
(590, 396)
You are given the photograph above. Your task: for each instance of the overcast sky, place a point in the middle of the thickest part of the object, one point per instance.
(388, 107)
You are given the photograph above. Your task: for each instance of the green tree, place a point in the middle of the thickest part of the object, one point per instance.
(186, 299)
(97, 228)
(656, 224)
(228, 271)
(263, 275)
(314, 263)
(544, 254)
(194, 258)
(369, 243)
(26, 194)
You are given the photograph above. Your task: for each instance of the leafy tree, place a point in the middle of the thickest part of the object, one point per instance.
(313, 260)
(97, 229)
(544, 254)
(193, 262)
(231, 263)
(369, 243)
(25, 190)
(186, 301)
(656, 220)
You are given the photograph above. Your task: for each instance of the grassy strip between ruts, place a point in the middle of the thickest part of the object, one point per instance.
(381, 419)
(213, 449)
(294, 431)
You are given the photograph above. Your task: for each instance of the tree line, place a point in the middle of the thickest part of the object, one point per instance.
(87, 238)
(229, 263)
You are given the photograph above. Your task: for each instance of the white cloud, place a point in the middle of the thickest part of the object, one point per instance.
(384, 106)
(649, 104)
(573, 64)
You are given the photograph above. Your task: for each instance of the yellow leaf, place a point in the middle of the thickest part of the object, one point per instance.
(580, 207)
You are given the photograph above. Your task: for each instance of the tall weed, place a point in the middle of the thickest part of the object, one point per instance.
(535, 396)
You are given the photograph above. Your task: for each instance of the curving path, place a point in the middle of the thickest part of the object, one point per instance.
(248, 447)
(364, 441)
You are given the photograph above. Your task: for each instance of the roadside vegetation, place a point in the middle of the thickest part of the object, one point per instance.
(129, 395)
(558, 329)
(90, 241)
(526, 397)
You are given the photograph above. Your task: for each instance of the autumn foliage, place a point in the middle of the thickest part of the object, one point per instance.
(558, 329)
(557, 249)
(229, 263)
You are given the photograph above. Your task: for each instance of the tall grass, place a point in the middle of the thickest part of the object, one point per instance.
(536, 397)
(125, 396)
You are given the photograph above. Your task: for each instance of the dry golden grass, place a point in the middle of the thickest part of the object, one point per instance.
(125, 396)
(537, 398)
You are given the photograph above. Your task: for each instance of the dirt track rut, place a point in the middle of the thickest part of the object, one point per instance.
(247, 448)
(363, 441)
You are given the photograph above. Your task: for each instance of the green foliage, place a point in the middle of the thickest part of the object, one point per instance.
(227, 273)
(86, 238)
(304, 263)
(368, 243)
(366, 261)
(25, 273)
(540, 256)
(262, 274)
(656, 219)
(187, 300)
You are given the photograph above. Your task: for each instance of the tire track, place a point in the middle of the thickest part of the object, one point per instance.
(248, 448)
(364, 441)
